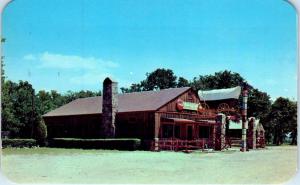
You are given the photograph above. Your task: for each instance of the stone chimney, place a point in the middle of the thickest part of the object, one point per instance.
(109, 107)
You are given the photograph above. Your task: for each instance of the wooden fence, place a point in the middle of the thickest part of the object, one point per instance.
(183, 145)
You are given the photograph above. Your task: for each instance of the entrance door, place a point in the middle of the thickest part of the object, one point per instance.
(189, 132)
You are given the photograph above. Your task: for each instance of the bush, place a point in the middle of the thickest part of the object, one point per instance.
(118, 144)
(18, 143)
(41, 133)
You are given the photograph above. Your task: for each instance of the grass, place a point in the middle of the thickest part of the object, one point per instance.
(56, 165)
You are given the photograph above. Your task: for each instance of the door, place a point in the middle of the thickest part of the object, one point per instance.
(189, 132)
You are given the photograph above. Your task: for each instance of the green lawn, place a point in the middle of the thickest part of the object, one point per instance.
(48, 165)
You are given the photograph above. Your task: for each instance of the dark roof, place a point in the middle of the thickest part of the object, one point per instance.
(128, 102)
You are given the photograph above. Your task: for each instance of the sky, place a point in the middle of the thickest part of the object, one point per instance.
(74, 44)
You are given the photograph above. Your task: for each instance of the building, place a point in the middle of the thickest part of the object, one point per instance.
(155, 117)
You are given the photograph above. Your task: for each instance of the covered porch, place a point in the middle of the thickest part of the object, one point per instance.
(185, 131)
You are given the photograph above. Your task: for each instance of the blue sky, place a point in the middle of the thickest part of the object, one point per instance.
(74, 44)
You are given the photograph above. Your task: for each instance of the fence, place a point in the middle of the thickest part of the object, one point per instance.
(183, 145)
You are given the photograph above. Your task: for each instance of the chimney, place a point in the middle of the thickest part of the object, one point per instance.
(109, 107)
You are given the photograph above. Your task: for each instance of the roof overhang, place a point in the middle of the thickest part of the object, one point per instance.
(180, 120)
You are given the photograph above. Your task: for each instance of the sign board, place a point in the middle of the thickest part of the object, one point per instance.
(190, 106)
(183, 105)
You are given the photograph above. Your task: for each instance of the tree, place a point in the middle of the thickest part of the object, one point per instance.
(132, 88)
(10, 121)
(159, 79)
(19, 114)
(26, 109)
(220, 80)
(182, 82)
(70, 96)
(293, 122)
(2, 64)
(41, 132)
(282, 119)
(259, 106)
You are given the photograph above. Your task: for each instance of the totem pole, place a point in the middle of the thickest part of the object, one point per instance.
(245, 88)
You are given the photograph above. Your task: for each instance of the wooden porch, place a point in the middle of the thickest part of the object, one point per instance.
(184, 131)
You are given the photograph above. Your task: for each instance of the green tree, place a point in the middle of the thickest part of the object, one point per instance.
(159, 79)
(70, 96)
(259, 106)
(282, 119)
(220, 80)
(9, 120)
(2, 63)
(293, 122)
(45, 102)
(182, 82)
(26, 109)
(41, 132)
(132, 88)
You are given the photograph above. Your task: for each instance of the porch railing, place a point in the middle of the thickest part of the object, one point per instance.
(183, 145)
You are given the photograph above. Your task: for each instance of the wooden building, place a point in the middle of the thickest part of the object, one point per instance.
(165, 119)
(149, 115)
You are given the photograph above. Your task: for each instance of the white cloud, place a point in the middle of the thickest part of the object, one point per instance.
(92, 70)
(59, 61)
(49, 60)
(89, 78)
(29, 57)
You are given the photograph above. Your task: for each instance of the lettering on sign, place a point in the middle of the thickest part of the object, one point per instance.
(183, 105)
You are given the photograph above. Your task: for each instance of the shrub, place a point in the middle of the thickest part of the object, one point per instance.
(118, 144)
(41, 133)
(18, 143)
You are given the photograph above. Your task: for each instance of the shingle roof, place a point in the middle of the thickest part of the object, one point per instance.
(128, 102)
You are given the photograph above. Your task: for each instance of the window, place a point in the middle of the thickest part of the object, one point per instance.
(204, 132)
(177, 131)
(167, 131)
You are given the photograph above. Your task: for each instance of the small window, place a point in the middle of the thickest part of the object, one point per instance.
(204, 132)
(177, 131)
(167, 131)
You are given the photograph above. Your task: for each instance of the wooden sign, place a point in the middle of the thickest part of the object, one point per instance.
(183, 105)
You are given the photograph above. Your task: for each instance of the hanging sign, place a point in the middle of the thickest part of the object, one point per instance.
(183, 105)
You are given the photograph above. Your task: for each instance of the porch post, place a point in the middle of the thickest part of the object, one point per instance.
(220, 132)
(156, 130)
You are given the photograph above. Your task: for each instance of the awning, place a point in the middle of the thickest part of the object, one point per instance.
(220, 94)
(181, 120)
